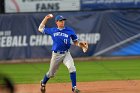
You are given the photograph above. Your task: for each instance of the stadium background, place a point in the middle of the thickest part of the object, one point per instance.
(111, 27)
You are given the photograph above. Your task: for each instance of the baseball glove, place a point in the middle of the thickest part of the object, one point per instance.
(85, 46)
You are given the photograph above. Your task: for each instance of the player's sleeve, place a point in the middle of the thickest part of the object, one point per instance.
(47, 31)
(74, 36)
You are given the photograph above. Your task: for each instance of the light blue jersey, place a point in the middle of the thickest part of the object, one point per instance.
(61, 37)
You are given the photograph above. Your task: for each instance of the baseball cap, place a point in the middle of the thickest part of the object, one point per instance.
(59, 17)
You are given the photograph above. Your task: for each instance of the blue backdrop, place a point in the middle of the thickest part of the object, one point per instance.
(109, 33)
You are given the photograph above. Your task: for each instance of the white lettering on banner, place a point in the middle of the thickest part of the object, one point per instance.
(6, 40)
(35, 40)
(8, 43)
(1, 33)
(91, 38)
(40, 40)
(3, 41)
(13, 41)
(5, 33)
(47, 40)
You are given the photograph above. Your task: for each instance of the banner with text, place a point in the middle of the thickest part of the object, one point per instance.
(14, 6)
(110, 33)
(109, 4)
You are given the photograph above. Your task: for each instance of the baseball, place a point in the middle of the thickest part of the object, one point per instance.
(50, 15)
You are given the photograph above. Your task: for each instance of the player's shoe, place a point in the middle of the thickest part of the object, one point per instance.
(75, 90)
(42, 87)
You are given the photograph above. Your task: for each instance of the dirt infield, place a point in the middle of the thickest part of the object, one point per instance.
(128, 86)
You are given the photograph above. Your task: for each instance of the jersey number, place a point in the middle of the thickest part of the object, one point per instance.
(65, 41)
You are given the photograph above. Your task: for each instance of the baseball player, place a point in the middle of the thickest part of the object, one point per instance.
(61, 36)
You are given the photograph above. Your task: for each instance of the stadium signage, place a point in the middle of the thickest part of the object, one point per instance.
(12, 6)
(109, 4)
(8, 40)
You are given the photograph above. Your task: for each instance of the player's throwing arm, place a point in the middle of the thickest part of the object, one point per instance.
(43, 23)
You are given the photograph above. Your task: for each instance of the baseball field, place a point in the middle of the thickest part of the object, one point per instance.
(99, 76)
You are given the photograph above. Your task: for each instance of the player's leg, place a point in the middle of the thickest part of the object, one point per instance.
(68, 61)
(54, 65)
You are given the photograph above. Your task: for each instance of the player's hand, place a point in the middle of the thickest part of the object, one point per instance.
(49, 16)
(84, 46)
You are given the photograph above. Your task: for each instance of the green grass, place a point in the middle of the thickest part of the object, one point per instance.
(86, 71)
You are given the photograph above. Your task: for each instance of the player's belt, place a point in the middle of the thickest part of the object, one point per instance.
(60, 52)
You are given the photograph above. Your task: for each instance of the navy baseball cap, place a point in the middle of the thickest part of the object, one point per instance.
(59, 17)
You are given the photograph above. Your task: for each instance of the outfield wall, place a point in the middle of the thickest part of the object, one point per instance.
(109, 33)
